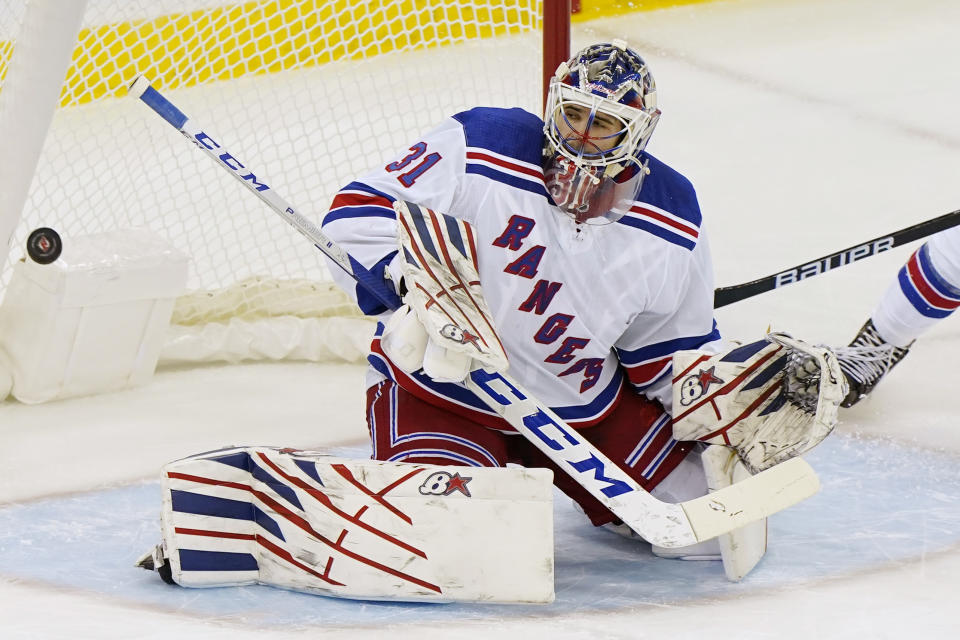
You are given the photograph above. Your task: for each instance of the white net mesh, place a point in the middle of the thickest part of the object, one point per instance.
(310, 93)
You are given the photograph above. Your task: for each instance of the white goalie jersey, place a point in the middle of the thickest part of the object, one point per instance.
(584, 312)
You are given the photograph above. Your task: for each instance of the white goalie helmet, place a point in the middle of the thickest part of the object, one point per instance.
(601, 111)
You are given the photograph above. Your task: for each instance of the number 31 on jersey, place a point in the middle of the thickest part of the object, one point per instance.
(417, 151)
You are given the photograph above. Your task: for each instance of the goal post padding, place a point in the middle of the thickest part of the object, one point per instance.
(32, 74)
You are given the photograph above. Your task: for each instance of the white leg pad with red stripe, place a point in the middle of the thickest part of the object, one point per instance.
(770, 400)
(360, 529)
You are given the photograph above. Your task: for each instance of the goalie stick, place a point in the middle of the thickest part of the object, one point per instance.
(661, 523)
(734, 293)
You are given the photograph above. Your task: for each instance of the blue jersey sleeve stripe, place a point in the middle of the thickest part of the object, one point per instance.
(346, 213)
(369, 303)
(688, 224)
(359, 186)
(666, 348)
(669, 191)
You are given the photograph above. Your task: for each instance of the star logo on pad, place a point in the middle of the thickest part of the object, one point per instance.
(472, 339)
(458, 335)
(458, 483)
(707, 377)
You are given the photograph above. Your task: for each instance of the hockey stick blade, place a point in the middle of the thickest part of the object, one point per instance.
(734, 293)
(663, 524)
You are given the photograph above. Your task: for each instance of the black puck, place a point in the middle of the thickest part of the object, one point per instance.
(44, 245)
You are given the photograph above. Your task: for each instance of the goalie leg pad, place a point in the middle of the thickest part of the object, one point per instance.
(359, 528)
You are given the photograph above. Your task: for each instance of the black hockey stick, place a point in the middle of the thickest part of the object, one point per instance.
(727, 295)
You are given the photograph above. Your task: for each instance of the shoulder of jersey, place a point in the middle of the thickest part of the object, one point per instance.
(514, 133)
(504, 145)
(666, 206)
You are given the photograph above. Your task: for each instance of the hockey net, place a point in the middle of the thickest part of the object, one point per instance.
(313, 92)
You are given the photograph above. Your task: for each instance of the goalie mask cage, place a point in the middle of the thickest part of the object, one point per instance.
(313, 92)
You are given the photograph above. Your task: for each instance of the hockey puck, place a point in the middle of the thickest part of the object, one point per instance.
(44, 245)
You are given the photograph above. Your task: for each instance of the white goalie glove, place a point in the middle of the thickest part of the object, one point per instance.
(445, 325)
(770, 400)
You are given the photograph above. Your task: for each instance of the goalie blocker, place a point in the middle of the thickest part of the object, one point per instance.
(356, 528)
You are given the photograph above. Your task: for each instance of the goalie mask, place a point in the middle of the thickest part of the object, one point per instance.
(601, 110)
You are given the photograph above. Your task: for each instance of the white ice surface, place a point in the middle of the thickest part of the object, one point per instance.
(806, 126)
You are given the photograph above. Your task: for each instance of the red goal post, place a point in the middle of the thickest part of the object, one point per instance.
(316, 91)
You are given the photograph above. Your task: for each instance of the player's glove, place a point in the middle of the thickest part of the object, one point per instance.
(770, 400)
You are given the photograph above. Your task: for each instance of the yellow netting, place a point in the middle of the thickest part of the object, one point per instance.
(223, 43)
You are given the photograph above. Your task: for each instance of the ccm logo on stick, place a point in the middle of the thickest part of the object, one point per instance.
(207, 142)
(538, 423)
(832, 262)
